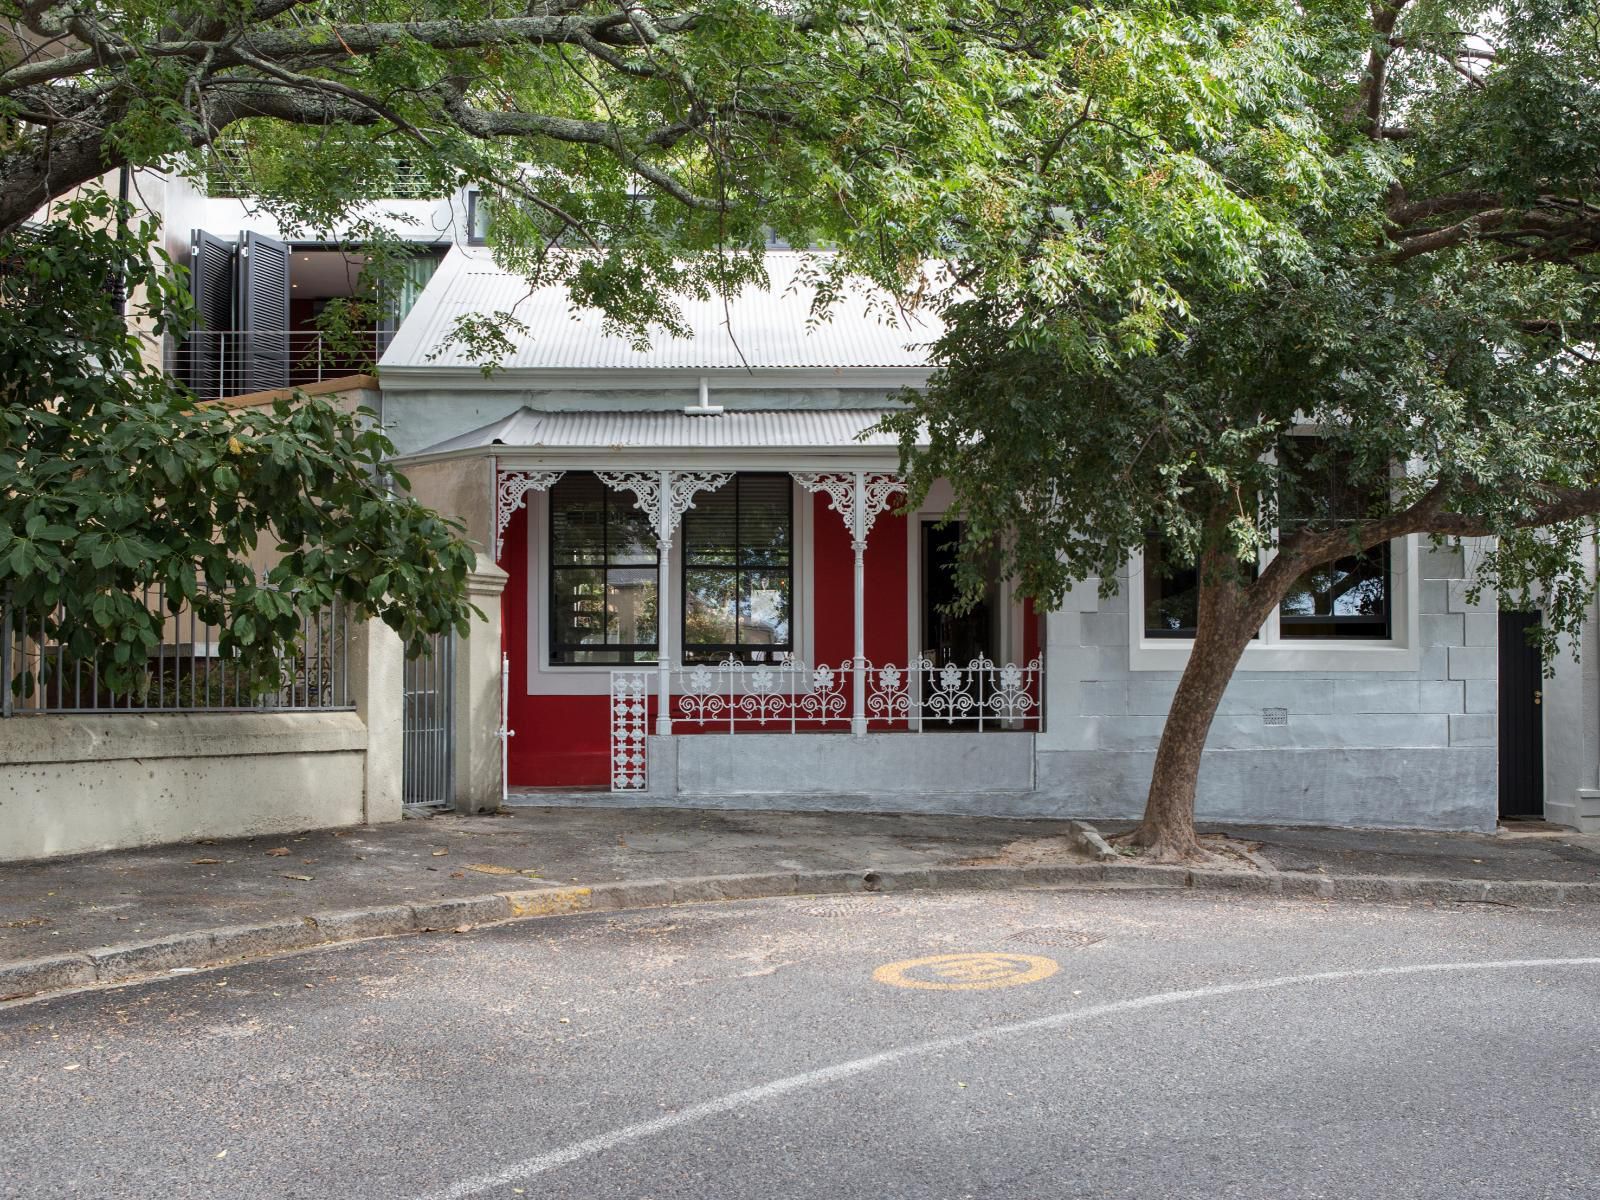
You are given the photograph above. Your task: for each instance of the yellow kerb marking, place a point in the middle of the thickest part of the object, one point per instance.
(967, 972)
(548, 902)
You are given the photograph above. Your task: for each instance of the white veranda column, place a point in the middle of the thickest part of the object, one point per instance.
(664, 496)
(858, 498)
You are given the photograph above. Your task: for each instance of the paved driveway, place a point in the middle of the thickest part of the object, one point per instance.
(1024, 1044)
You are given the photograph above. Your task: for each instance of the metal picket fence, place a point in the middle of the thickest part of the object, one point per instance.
(186, 671)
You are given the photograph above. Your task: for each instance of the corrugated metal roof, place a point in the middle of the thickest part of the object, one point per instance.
(758, 330)
(800, 429)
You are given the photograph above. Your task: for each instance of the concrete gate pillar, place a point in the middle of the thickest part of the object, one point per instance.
(478, 783)
(377, 664)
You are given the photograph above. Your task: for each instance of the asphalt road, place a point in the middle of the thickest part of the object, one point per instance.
(1143, 1045)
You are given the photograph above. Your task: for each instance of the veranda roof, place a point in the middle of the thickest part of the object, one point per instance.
(669, 438)
(758, 331)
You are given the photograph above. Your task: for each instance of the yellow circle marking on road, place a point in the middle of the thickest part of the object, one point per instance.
(967, 972)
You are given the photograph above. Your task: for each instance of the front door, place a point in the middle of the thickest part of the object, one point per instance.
(1521, 719)
(953, 637)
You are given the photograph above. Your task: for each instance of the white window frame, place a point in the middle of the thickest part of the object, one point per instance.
(1271, 651)
(594, 679)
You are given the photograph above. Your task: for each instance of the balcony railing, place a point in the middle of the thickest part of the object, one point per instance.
(227, 175)
(220, 363)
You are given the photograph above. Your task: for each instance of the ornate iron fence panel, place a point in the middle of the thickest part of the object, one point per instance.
(427, 767)
(630, 713)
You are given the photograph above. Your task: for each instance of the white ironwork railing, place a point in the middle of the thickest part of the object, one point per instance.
(217, 363)
(789, 696)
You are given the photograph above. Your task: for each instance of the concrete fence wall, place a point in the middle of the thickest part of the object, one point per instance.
(72, 784)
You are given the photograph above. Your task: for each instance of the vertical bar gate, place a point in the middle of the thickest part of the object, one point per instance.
(428, 766)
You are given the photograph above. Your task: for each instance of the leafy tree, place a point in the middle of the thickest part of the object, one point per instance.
(112, 479)
(627, 153)
(1416, 286)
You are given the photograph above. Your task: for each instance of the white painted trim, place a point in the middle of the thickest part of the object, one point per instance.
(1271, 652)
(546, 679)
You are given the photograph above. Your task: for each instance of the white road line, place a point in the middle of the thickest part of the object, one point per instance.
(539, 1164)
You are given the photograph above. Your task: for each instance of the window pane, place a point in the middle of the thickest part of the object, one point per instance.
(710, 528)
(764, 609)
(629, 539)
(764, 520)
(1171, 594)
(710, 616)
(578, 606)
(631, 607)
(1346, 598)
(578, 520)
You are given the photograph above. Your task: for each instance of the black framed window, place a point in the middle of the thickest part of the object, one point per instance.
(738, 574)
(1171, 593)
(1351, 596)
(477, 219)
(603, 572)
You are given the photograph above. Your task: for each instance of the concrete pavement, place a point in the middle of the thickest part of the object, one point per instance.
(101, 918)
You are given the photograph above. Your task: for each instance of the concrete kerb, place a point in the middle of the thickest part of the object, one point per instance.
(36, 978)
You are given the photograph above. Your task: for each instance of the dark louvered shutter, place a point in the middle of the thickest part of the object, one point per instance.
(263, 313)
(211, 285)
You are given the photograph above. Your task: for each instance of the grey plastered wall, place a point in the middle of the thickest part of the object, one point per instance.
(1571, 713)
(1403, 749)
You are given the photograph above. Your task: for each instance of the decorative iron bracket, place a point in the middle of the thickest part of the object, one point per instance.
(511, 493)
(680, 487)
(859, 498)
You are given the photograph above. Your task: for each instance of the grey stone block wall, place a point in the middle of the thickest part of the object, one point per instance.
(1403, 749)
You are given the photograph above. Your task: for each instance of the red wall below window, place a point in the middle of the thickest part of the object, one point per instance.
(565, 741)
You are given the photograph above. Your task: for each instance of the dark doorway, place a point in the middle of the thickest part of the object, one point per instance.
(953, 637)
(1521, 718)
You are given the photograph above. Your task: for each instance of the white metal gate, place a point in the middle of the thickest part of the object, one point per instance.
(428, 761)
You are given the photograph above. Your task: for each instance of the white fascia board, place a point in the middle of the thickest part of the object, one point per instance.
(466, 379)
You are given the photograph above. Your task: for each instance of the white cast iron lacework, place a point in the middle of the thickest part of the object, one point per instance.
(786, 695)
(682, 487)
(512, 492)
(630, 691)
(873, 498)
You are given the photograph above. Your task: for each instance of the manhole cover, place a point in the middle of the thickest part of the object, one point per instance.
(1056, 937)
(850, 908)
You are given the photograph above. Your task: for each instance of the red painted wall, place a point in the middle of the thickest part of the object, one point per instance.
(562, 741)
(565, 741)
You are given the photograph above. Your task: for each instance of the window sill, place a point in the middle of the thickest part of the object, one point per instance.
(1168, 654)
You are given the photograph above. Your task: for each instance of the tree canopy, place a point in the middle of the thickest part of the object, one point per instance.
(1419, 291)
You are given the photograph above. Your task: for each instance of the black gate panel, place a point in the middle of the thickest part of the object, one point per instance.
(1521, 718)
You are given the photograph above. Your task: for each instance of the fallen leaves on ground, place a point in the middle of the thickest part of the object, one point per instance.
(301, 878)
(278, 852)
(491, 869)
(205, 862)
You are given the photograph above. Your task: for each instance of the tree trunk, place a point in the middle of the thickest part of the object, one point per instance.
(1225, 626)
